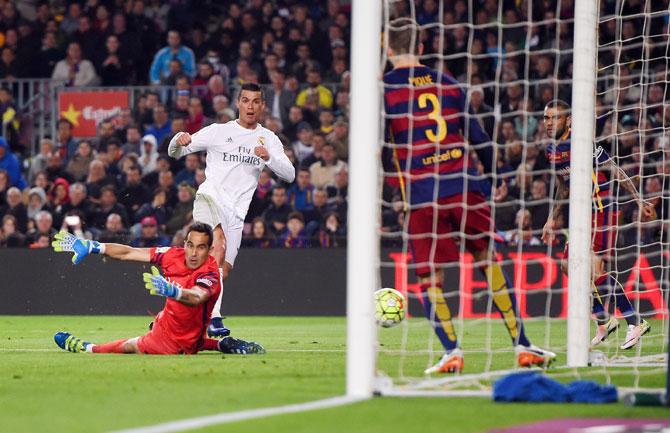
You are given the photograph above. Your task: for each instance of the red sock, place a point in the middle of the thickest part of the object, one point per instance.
(113, 347)
(209, 344)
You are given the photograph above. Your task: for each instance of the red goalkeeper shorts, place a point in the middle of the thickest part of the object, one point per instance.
(437, 230)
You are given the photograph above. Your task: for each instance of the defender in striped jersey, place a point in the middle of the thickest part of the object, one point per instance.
(557, 122)
(430, 154)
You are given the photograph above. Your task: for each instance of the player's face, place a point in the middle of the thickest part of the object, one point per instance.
(555, 122)
(196, 249)
(251, 106)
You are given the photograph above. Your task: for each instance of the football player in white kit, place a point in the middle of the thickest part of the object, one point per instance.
(237, 152)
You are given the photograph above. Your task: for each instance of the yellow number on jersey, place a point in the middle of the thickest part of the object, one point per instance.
(436, 115)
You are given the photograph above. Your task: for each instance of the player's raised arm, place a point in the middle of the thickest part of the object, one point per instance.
(646, 209)
(184, 143)
(65, 241)
(275, 158)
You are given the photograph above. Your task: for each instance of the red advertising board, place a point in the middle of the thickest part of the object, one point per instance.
(85, 110)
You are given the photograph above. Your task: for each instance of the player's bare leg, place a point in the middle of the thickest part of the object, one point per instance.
(216, 328)
(69, 342)
(439, 315)
(504, 299)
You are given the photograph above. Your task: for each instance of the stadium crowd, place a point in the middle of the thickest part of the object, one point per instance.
(121, 187)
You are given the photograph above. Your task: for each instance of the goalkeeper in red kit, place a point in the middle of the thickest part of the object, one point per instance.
(191, 284)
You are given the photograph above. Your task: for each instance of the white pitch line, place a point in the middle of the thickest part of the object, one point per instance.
(228, 417)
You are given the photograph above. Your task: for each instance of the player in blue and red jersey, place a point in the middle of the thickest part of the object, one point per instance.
(557, 123)
(191, 284)
(433, 139)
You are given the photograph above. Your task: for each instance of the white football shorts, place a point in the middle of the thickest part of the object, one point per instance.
(205, 210)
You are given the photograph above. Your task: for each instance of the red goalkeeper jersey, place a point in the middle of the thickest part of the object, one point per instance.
(183, 324)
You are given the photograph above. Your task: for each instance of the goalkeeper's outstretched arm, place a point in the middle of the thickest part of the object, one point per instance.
(124, 252)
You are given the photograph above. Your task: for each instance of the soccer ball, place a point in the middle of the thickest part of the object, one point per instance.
(389, 307)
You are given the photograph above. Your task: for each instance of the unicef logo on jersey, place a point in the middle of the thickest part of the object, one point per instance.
(243, 156)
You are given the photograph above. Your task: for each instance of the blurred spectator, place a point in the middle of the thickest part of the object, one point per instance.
(276, 214)
(10, 163)
(323, 171)
(78, 204)
(160, 67)
(108, 205)
(166, 180)
(302, 147)
(278, 99)
(325, 96)
(74, 70)
(134, 194)
(37, 200)
(39, 162)
(295, 118)
(196, 117)
(16, 208)
(148, 154)
(294, 235)
(106, 134)
(78, 165)
(338, 191)
(339, 138)
(114, 231)
(133, 141)
(88, 38)
(538, 203)
(506, 209)
(187, 174)
(70, 21)
(315, 217)
(261, 197)
(59, 195)
(65, 142)
(156, 208)
(182, 212)
(49, 55)
(150, 236)
(10, 120)
(333, 234)
(523, 233)
(5, 184)
(260, 236)
(301, 193)
(43, 227)
(161, 123)
(9, 70)
(10, 237)
(97, 179)
(75, 224)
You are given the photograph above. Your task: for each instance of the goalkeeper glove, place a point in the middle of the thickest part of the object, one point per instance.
(66, 241)
(158, 285)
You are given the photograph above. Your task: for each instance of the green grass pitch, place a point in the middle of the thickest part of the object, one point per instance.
(44, 389)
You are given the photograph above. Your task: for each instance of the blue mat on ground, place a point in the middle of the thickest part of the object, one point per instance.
(535, 387)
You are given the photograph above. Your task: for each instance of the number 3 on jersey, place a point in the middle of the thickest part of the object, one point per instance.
(436, 115)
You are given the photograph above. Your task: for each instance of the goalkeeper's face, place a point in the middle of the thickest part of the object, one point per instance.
(251, 106)
(196, 249)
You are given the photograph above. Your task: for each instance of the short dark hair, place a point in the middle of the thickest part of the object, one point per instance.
(202, 228)
(251, 87)
(563, 106)
(403, 36)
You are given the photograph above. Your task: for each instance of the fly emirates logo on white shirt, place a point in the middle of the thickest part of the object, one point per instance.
(244, 155)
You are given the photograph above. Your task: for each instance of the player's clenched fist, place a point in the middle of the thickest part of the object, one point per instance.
(262, 152)
(184, 139)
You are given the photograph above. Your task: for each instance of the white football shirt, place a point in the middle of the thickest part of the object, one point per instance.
(232, 167)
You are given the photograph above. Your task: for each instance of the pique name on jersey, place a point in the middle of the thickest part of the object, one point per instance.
(242, 159)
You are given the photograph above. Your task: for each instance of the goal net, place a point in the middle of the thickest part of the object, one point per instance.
(512, 58)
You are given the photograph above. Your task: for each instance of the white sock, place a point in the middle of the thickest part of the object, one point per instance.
(216, 312)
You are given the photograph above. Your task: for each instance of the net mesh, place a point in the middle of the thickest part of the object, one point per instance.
(512, 58)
